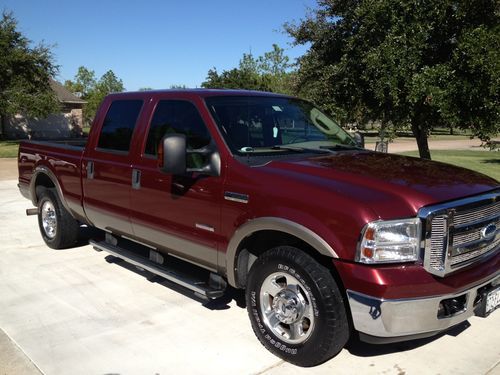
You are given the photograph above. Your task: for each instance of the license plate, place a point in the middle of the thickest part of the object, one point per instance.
(492, 300)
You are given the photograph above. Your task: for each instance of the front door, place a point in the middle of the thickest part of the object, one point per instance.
(177, 214)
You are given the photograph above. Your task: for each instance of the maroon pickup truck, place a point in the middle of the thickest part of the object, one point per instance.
(215, 189)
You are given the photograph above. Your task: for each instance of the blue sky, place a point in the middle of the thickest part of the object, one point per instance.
(157, 43)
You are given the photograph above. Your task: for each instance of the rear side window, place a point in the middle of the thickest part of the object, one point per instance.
(176, 116)
(118, 126)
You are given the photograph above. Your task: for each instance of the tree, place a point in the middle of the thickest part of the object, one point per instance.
(274, 62)
(405, 63)
(234, 79)
(93, 90)
(109, 83)
(276, 69)
(270, 72)
(84, 83)
(25, 73)
(246, 76)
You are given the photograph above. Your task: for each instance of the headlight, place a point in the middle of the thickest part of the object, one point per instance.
(390, 241)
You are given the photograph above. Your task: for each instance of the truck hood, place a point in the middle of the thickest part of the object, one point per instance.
(392, 185)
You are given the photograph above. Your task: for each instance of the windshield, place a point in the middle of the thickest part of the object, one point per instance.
(260, 124)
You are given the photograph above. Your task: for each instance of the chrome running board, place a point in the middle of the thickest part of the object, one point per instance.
(178, 277)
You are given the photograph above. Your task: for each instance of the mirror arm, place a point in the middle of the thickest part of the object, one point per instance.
(212, 168)
(204, 169)
(205, 150)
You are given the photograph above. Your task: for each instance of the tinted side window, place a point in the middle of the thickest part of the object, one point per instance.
(118, 126)
(176, 116)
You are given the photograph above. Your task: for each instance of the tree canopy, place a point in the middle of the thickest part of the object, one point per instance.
(270, 72)
(404, 63)
(93, 90)
(25, 73)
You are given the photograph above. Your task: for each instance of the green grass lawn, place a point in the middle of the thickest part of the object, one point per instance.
(486, 162)
(438, 134)
(447, 137)
(433, 137)
(8, 149)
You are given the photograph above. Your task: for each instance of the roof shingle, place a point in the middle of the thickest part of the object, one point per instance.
(63, 94)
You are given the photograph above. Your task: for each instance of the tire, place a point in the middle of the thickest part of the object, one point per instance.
(58, 228)
(295, 307)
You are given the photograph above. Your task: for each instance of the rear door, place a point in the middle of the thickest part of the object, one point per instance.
(179, 214)
(107, 163)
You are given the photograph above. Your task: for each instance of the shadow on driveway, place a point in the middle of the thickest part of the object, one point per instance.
(362, 349)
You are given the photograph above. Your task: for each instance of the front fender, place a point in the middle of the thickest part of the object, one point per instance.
(276, 224)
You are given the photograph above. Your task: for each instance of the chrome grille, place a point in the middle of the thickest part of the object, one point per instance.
(474, 215)
(438, 238)
(457, 260)
(467, 237)
(455, 232)
(474, 235)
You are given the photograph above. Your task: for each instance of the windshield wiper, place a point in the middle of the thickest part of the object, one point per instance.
(303, 149)
(320, 150)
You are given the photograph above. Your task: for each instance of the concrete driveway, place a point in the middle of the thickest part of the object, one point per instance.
(77, 311)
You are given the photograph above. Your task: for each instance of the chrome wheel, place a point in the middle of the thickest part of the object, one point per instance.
(286, 308)
(49, 219)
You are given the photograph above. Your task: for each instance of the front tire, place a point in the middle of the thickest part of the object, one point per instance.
(295, 307)
(58, 228)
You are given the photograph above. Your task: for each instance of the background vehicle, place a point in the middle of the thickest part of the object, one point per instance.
(211, 188)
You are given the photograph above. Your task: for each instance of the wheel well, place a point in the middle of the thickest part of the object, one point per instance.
(42, 181)
(259, 242)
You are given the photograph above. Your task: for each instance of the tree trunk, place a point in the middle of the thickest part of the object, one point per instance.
(2, 126)
(420, 134)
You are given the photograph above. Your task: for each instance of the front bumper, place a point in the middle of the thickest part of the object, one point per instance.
(402, 319)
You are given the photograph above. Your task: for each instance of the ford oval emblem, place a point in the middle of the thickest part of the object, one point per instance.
(489, 231)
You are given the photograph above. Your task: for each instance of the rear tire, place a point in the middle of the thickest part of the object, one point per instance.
(296, 308)
(58, 228)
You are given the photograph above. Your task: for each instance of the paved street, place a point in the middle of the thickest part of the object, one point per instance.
(78, 311)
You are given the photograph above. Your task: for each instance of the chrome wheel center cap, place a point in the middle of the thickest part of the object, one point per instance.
(49, 219)
(287, 306)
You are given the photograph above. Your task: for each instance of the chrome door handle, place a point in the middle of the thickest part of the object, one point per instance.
(136, 179)
(90, 170)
